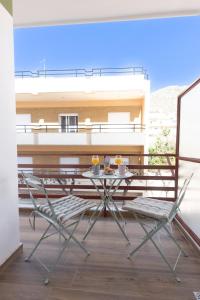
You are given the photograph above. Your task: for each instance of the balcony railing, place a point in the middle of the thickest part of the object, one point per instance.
(98, 127)
(62, 179)
(82, 72)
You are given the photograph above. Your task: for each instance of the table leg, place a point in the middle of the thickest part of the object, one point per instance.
(118, 211)
(106, 199)
(109, 194)
(96, 214)
(118, 223)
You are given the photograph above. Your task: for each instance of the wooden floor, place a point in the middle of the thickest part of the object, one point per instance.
(106, 274)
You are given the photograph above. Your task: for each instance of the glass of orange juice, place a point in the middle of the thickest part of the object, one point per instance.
(118, 160)
(95, 160)
(95, 163)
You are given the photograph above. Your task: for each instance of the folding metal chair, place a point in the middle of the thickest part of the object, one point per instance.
(61, 216)
(163, 213)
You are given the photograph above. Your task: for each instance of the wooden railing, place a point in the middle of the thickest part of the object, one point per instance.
(153, 180)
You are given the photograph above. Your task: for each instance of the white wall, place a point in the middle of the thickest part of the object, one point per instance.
(62, 138)
(190, 207)
(190, 126)
(117, 138)
(113, 83)
(190, 147)
(119, 117)
(103, 138)
(26, 139)
(9, 219)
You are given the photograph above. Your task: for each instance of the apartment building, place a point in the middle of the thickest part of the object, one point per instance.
(64, 112)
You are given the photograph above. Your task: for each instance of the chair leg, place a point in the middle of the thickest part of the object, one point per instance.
(118, 223)
(65, 245)
(172, 269)
(38, 243)
(93, 223)
(177, 244)
(149, 236)
(73, 237)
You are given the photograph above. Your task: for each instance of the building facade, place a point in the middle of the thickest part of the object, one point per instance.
(105, 111)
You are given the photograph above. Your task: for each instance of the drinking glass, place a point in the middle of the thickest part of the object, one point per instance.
(118, 160)
(122, 169)
(95, 160)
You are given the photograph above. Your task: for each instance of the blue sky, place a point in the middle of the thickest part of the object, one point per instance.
(168, 48)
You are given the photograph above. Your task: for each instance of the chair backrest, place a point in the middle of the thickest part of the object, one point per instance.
(36, 184)
(181, 195)
(183, 190)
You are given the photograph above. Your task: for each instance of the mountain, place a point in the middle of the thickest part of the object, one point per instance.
(165, 99)
(162, 113)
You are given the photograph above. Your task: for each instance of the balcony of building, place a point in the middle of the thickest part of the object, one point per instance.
(106, 273)
(102, 106)
(81, 134)
(160, 181)
(73, 85)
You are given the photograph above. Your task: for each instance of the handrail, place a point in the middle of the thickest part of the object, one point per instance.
(86, 166)
(60, 178)
(81, 72)
(94, 127)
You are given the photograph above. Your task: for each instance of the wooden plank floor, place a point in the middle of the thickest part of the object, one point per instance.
(106, 274)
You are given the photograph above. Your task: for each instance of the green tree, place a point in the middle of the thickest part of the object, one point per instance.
(162, 145)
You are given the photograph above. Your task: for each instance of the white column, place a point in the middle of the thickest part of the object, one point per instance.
(9, 217)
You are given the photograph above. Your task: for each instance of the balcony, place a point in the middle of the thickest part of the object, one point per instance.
(71, 85)
(93, 134)
(106, 274)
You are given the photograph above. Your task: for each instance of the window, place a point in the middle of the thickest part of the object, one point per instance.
(68, 123)
(23, 121)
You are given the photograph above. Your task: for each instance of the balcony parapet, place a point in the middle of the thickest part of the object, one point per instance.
(95, 134)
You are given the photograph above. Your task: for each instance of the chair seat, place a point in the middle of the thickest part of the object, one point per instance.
(66, 207)
(154, 208)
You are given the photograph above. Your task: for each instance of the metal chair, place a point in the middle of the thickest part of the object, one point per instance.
(61, 215)
(163, 213)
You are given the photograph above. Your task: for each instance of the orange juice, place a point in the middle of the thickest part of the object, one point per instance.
(95, 160)
(118, 160)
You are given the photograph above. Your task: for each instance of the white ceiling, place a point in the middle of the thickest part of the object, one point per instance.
(51, 12)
